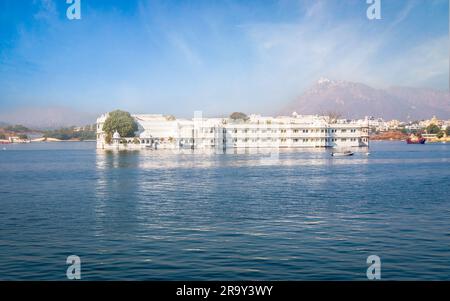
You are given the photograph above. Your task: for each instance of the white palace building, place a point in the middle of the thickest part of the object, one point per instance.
(308, 131)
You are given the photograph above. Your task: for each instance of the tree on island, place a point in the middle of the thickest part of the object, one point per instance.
(71, 133)
(331, 116)
(239, 116)
(447, 131)
(121, 122)
(108, 138)
(18, 128)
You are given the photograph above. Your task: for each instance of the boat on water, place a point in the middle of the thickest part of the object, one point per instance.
(413, 139)
(341, 154)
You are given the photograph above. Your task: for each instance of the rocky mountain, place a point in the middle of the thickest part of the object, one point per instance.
(47, 117)
(356, 100)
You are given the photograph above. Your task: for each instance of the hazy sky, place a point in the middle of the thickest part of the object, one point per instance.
(218, 56)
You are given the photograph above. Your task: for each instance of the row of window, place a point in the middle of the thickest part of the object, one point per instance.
(212, 130)
(284, 140)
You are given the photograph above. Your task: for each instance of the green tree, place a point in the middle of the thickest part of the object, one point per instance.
(17, 128)
(2, 136)
(70, 133)
(239, 116)
(61, 134)
(121, 122)
(84, 135)
(332, 116)
(433, 129)
(447, 131)
(108, 138)
(440, 134)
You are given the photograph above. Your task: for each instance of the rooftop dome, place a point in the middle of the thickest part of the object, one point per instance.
(116, 135)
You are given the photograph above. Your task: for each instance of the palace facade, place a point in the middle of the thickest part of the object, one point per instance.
(167, 132)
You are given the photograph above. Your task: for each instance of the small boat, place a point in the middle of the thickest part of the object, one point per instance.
(413, 139)
(416, 141)
(340, 154)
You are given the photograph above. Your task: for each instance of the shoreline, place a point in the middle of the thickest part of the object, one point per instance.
(429, 141)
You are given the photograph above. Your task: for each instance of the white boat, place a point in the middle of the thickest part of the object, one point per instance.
(340, 154)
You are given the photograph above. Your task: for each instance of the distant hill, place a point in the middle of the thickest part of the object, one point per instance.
(47, 117)
(356, 100)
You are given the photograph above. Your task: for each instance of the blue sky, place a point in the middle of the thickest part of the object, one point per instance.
(175, 57)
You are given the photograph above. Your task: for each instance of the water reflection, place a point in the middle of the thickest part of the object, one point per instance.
(113, 188)
(245, 214)
(166, 190)
(252, 213)
(162, 159)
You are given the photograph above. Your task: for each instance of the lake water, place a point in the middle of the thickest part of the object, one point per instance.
(159, 215)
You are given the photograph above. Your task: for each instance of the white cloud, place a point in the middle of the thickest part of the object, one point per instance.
(293, 55)
(46, 11)
(184, 49)
(422, 64)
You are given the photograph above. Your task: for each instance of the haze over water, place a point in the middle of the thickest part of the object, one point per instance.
(158, 215)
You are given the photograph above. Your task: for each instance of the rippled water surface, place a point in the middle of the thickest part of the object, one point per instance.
(296, 215)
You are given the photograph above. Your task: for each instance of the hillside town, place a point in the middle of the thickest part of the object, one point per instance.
(433, 129)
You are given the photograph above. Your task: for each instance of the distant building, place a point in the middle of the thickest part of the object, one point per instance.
(378, 124)
(413, 127)
(394, 124)
(16, 139)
